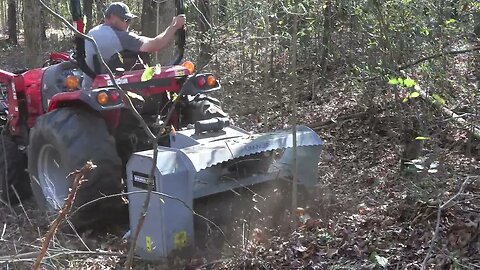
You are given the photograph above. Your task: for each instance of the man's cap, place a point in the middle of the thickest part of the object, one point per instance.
(119, 9)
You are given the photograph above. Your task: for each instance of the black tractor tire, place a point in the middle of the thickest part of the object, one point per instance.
(13, 165)
(61, 142)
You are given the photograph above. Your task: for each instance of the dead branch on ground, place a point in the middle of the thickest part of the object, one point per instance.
(331, 121)
(67, 206)
(30, 256)
(455, 117)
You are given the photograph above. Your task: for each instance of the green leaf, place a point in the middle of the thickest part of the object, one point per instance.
(147, 74)
(424, 31)
(450, 21)
(422, 138)
(405, 99)
(393, 81)
(378, 260)
(409, 82)
(414, 95)
(175, 95)
(439, 99)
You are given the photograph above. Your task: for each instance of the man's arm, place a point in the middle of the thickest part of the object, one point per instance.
(162, 40)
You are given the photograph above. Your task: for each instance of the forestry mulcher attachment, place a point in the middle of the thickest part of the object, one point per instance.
(51, 127)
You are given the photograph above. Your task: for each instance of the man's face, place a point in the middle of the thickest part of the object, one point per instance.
(117, 22)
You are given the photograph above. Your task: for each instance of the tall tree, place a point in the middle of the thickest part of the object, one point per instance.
(222, 10)
(477, 24)
(150, 21)
(88, 11)
(45, 20)
(33, 33)
(12, 22)
(204, 23)
(100, 4)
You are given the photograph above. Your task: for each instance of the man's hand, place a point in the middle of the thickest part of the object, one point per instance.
(179, 21)
(159, 42)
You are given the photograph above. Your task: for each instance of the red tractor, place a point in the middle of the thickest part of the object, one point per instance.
(51, 127)
(54, 126)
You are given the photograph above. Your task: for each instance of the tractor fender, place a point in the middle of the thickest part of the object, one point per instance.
(88, 98)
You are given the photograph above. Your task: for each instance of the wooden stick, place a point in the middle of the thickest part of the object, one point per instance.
(318, 125)
(67, 206)
(31, 256)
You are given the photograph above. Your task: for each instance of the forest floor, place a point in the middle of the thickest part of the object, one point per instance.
(365, 214)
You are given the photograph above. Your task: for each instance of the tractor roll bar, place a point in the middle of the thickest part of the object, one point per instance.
(181, 35)
(77, 17)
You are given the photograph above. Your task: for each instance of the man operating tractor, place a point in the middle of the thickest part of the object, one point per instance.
(113, 37)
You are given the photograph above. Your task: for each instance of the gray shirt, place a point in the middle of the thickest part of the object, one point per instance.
(110, 41)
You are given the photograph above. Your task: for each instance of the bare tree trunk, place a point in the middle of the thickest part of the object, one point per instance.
(326, 35)
(20, 8)
(294, 113)
(149, 22)
(222, 10)
(273, 42)
(44, 20)
(100, 5)
(33, 33)
(384, 37)
(204, 22)
(327, 10)
(476, 30)
(12, 22)
(3, 14)
(88, 11)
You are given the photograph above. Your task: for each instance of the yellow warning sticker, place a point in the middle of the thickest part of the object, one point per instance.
(148, 243)
(180, 240)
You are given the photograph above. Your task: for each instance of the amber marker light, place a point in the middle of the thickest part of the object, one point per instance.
(71, 82)
(102, 98)
(211, 81)
(189, 66)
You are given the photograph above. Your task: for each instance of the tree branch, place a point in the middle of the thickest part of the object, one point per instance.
(67, 206)
(423, 59)
(442, 207)
(30, 256)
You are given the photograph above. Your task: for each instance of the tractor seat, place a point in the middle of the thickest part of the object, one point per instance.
(126, 59)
